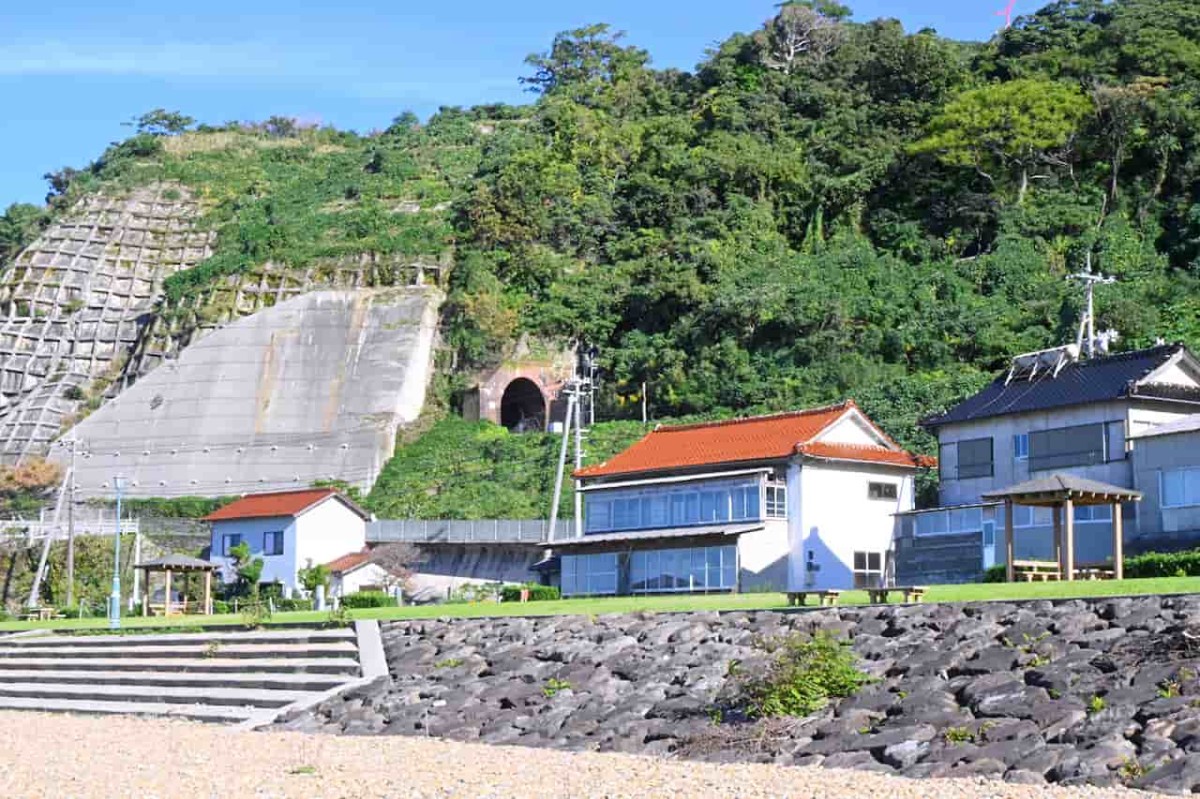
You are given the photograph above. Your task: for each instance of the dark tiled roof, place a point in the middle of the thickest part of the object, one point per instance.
(1097, 380)
(1065, 485)
(178, 562)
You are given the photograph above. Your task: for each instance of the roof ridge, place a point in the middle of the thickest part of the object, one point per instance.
(837, 406)
(1131, 355)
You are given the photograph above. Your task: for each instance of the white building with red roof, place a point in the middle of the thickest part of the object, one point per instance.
(789, 501)
(289, 530)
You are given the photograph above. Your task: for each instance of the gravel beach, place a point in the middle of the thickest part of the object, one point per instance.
(65, 756)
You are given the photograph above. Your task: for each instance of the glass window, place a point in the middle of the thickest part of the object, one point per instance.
(868, 569)
(273, 543)
(882, 490)
(1114, 441)
(933, 523)
(1081, 445)
(1021, 447)
(975, 458)
(230, 541)
(776, 502)
(1180, 488)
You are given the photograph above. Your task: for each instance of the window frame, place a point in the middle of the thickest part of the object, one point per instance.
(990, 462)
(775, 501)
(862, 576)
(887, 491)
(1069, 459)
(228, 544)
(1187, 502)
(1017, 439)
(277, 535)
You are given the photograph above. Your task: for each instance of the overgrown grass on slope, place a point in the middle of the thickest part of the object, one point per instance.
(478, 470)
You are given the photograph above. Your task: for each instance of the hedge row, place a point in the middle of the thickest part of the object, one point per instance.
(1164, 564)
(1149, 564)
(369, 599)
(537, 593)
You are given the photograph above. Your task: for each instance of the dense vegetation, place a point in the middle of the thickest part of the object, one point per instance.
(819, 209)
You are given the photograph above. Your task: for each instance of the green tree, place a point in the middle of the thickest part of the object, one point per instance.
(1015, 127)
(248, 569)
(19, 226)
(312, 576)
(161, 122)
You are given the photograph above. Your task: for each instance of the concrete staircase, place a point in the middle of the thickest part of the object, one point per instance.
(245, 676)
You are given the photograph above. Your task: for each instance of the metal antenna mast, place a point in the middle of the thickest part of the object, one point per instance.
(1007, 13)
(1087, 324)
(581, 385)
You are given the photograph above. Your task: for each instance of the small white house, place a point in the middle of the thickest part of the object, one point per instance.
(288, 529)
(791, 501)
(356, 572)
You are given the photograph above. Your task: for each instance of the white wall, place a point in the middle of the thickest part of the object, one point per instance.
(328, 531)
(369, 575)
(836, 518)
(763, 557)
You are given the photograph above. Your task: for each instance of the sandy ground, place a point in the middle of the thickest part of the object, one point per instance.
(65, 756)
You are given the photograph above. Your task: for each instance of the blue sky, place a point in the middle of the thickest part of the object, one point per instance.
(71, 71)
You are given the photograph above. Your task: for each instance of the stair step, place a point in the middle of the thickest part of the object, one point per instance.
(161, 694)
(186, 649)
(325, 665)
(301, 636)
(194, 712)
(278, 681)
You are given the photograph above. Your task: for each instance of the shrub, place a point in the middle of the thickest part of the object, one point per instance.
(995, 574)
(537, 593)
(369, 599)
(1164, 564)
(289, 605)
(803, 675)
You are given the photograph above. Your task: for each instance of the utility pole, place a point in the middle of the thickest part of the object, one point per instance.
(578, 464)
(114, 600)
(1087, 325)
(71, 525)
(562, 462)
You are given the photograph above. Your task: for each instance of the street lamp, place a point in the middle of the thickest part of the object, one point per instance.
(114, 601)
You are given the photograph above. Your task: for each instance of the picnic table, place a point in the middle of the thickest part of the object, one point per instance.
(827, 596)
(912, 593)
(41, 614)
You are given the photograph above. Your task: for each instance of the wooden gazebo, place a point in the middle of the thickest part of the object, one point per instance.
(185, 567)
(1062, 493)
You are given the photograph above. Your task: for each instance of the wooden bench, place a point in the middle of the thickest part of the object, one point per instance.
(1036, 570)
(827, 596)
(911, 593)
(41, 614)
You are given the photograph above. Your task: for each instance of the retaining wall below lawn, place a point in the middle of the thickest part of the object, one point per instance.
(1099, 691)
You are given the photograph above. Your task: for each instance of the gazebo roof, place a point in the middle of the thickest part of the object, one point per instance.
(178, 563)
(1058, 487)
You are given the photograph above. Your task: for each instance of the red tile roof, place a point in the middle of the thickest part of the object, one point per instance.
(754, 439)
(278, 503)
(349, 562)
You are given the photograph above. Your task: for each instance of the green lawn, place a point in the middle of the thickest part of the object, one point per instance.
(665, 604)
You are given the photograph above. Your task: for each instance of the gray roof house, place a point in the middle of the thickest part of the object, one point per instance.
(1049, 413)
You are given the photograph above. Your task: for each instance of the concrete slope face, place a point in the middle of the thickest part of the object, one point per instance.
(313, 388)
(73, 305)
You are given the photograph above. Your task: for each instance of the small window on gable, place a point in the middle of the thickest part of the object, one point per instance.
(882, 491)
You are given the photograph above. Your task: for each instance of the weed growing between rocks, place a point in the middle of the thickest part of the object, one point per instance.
(804, 673)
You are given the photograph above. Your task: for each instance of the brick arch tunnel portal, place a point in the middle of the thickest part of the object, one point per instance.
(523, 406)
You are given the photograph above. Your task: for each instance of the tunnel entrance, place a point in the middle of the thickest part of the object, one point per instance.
(523, 408)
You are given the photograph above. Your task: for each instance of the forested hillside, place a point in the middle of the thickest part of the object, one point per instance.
(820, 209)
(826, 209)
